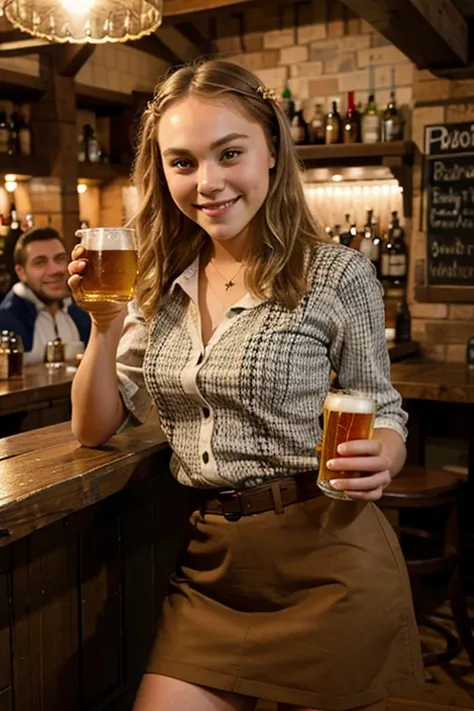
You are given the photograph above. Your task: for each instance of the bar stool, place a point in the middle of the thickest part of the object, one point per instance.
(428, 552)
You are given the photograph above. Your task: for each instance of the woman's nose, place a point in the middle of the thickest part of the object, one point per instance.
(210, 178)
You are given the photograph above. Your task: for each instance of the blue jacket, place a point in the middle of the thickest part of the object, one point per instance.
(19, 315)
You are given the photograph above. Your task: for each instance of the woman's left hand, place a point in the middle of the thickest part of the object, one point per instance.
(368, 458)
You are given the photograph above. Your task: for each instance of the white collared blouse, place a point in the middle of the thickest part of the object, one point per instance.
(246, 407)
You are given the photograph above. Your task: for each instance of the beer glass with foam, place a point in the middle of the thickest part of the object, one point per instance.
(111, 264)
(348, 415)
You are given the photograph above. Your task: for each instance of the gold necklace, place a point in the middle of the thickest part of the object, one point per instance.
(230, 283)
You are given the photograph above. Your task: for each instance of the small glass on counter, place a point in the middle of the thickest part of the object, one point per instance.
(11, 355)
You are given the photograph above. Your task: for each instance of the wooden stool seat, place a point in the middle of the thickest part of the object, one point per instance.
(436, 551)
(421, 483)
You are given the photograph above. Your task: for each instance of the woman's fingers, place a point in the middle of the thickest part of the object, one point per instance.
(77, 266)
(363, 483)
(358, 464)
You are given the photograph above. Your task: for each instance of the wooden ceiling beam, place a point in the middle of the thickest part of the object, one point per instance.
(70, 58)
(186, 7)
(151, 44)
(432, 33)
(192, 34)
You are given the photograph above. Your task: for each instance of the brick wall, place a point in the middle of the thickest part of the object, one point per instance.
(121, 68)
(321, 49)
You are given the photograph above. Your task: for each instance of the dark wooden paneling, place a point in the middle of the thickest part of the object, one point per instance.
(6, 700)
(101, 606)
(45, 631)
(5, 632)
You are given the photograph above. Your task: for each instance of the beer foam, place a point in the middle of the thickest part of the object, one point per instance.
(341, 402)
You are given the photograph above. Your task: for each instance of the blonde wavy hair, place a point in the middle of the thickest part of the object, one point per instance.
(282, 230)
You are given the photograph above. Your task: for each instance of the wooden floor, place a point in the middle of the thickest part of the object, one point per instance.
(450, 686)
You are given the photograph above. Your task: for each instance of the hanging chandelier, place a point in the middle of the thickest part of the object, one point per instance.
(80, 21)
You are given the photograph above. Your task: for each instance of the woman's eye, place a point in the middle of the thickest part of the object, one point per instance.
(231, 154)
(181, 164)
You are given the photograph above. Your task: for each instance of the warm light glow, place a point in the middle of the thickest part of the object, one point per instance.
(10, 178)
(77, 7)
(81, 188)
(80, 21)
(337, 178)
(11, 186)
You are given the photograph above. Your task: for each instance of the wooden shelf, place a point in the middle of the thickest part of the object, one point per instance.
(358, 154)
(24, 166)
(102, 172)
(445, 294)
(102, 101)
(21, 88)
(395, 158)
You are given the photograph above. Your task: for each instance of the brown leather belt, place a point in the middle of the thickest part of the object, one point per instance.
(235, 503)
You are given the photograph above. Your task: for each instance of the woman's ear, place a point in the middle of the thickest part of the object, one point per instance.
(272, 160)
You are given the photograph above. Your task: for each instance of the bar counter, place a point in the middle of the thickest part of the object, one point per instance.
(88, 538)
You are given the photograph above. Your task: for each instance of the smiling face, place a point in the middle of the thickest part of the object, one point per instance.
(216, 161)
(45, 270)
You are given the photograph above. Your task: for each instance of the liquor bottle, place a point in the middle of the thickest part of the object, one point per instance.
(351, 123)
(333, 125)
(14, 139)
(403, 322)
(4, 133)
(91, 144)
(287, 104)
(11, 238)
(392, 121)
(298, 126)
(348, 231)
(316, 126)
(394, 261)
(25, 138)
(367, 236)
(371, 122)
(470, 353)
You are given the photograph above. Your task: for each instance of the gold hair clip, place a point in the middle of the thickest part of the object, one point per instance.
(267, 94)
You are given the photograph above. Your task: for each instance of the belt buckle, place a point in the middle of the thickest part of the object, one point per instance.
(229, 497)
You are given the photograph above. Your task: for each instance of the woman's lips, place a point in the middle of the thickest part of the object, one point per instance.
(216, 209)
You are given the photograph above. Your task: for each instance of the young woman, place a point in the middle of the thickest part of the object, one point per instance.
(241, 312)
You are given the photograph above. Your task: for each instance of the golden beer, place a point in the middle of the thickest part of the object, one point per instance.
(112, 261)
(348, 415)
(110, 275)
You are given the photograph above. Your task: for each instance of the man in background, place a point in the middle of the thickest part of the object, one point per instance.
(39, 307)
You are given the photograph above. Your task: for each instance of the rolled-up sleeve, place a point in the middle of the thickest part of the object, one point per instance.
(130, 354)
(358, 351)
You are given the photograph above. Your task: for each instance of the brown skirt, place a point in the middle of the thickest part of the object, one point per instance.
(310, 607)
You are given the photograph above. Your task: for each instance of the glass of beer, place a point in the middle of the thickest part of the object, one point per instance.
(348, 415)
(111, 263)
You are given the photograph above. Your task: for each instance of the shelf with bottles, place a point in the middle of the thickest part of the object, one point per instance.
(23, 167)
(18, 87)
(102, 102)
(102, 172)
(438, 294)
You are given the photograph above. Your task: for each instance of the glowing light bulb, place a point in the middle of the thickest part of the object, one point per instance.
(337, 178)
(81, 188)
(11, 186)
(10, 178)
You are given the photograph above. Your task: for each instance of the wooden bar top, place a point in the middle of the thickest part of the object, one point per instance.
(443, 382)
(45, 475)
(38, 385)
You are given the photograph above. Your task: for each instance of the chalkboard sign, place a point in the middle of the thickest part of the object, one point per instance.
(449, 182)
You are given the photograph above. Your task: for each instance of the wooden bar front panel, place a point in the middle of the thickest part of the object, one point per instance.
(80, 598)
